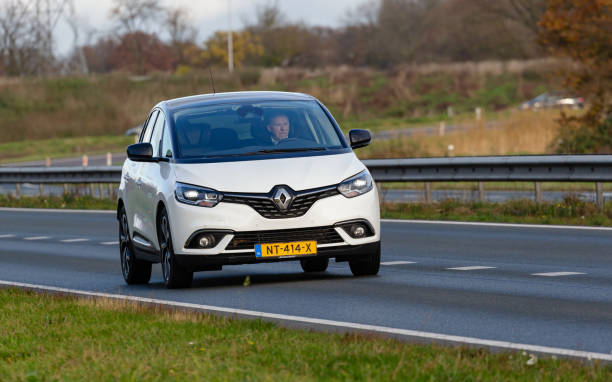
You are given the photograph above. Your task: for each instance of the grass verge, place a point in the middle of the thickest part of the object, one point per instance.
(570, 211)
(31, 150)
(63, 338)
(68, 201)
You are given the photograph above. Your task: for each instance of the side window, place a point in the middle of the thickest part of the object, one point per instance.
(166, 146)
(146, 134)
(157, 134)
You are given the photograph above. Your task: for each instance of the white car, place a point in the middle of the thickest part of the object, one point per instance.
(244, 178)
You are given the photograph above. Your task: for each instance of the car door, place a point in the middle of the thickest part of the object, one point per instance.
(153, 178)
(139, 200)
(132, 177)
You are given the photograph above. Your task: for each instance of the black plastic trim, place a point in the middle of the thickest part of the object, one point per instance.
(341, 253)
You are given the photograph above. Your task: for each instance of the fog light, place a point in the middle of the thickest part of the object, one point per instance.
(207, 241)
(357, 231)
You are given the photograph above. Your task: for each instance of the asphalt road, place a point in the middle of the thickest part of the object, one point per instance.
(530, 285)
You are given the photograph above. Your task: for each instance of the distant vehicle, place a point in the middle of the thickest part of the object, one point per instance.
(553, 100)
(244, 178)
(134, 131)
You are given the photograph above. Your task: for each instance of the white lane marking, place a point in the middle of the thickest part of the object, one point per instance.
(6, 236)
(36, 238)
(74, 240)
(397, 262)
(496, 224)
(555, 274)
(324, 322)
(109, 243)
(9, 209)
(470, 268)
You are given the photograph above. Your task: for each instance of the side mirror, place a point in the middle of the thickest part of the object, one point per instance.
(359, 138)
(140, 152)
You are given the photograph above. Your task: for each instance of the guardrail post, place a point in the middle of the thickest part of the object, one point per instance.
(110, 190)
(18, 189)
(428, 192)
(599, 195)
(41, 189)
(481, 192)
(442, 129)
(65, 188)
(91, 190)
(538, 192)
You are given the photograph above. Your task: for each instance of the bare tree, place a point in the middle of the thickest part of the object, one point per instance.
(180, 30)
(135, 15)
(26, 34)
(524, 12)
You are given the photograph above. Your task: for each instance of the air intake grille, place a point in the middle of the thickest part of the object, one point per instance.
(247, 240)
(263, 203)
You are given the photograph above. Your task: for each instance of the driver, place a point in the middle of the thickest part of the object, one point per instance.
(278, 127)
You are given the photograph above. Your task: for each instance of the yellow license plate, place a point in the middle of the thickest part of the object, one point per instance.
(294, 248)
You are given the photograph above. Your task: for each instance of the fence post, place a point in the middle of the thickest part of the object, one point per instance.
(109, 159)
(481, 191)
(427, 192)
(599, 194)
(442, 129)
(538, 192)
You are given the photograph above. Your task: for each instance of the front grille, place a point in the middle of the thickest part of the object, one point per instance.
(247, 240)
(263, 204)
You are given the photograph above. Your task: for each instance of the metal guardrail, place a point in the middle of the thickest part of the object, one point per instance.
(536, 168)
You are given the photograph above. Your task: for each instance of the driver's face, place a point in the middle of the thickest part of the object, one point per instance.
(279, 127)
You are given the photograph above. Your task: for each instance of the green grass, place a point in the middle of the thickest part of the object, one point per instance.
(571, 211)
(503, 186)
(68, 201)
(46, 338)
(31, 150)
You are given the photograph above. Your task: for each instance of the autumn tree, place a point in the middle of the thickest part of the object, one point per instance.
(246, 47)
(581, 30)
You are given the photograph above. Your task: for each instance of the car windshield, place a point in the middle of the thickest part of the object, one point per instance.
(241, 129)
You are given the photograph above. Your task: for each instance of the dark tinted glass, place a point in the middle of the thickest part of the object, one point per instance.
(235, 129)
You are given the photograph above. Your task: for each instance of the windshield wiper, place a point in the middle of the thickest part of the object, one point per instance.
(268, 151)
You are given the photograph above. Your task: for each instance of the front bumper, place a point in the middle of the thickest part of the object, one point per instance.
(207, 263)
(186, 219)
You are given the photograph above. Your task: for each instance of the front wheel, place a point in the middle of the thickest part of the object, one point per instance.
(174, 275)
(134, 271)
(366, 265)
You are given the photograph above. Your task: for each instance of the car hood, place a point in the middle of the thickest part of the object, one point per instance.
(299, 173)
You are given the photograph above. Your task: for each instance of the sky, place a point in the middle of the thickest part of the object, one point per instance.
(207, 15)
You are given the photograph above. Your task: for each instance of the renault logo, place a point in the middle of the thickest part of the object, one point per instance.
(282, 198)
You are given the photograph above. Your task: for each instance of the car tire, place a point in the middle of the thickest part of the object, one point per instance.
(315, 265)
(174, 275)
(367, 265)
(134, 271)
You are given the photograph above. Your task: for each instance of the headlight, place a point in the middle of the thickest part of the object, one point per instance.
(356, 185)
(197, 196)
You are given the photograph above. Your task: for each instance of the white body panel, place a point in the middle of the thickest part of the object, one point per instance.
(254, 176)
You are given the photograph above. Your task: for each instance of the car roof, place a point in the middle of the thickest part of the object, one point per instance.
(252, 96)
